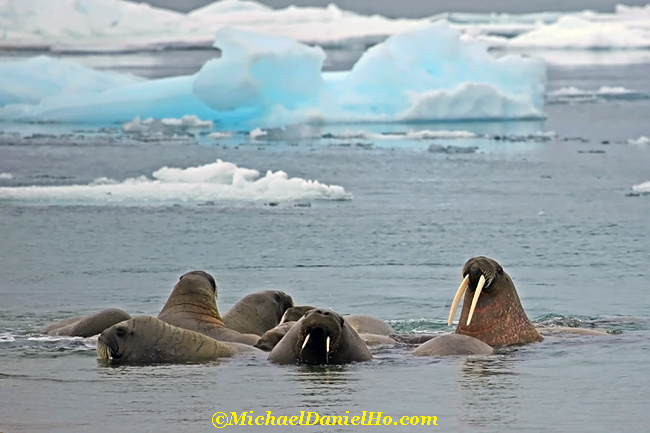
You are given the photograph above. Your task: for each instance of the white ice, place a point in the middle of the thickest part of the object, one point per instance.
(642, 187)
(263, 81)
(115, 25)
(218, 181)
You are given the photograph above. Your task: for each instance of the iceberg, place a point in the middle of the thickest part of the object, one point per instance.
(31, 80)
(263, 81)
(217, 181)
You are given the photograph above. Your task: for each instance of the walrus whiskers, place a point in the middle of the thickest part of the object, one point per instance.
(479, 287)
(459, 294)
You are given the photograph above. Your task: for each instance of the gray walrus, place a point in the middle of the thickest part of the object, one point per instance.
(146, 340)
(453, 344)
(364, 324)
(193, 305)
(273, 336)
(258, 312)
(294, 314)
(87, 326)
(320, 337)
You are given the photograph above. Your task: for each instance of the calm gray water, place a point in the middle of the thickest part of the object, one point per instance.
(556, 214)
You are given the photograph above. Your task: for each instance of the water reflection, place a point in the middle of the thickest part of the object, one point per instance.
(490, 389)
(324, 387)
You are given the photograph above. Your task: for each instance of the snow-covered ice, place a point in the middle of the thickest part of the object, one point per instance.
(217, 181)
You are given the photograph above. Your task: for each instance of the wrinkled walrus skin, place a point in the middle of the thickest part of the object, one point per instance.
(148, 340)
(193, 305)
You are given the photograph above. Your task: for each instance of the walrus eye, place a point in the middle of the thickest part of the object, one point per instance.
(276, 297)
(499, 270)
(120, 332)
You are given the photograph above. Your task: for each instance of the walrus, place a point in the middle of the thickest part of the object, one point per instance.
(193, 305)
(365, 324)
(294, 314)
(453, 344)
(87, 326)
(258, 312)
(273, 336)
(320, 337)
(146, 340)
(492, 311)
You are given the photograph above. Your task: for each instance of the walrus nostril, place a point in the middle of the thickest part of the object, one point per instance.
(319, 312)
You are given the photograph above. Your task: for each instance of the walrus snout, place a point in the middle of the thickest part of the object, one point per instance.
(106, 348)
(321, 330)
(478, 275)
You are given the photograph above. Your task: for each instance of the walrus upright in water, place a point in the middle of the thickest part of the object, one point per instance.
(193, 305)
(492, 311)
(258, 312)
(320, 337)
(492, 314)
(146, 340)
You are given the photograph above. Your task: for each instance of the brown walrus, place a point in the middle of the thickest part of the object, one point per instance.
(87, 326)
(193, 305)
(145, 340)
(258, 312)
(491, 310)
(320, 337)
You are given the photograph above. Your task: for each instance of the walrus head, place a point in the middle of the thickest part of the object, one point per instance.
(319, 335)
(294, 313)
(196, 293)
(492, 311)
(123, 342)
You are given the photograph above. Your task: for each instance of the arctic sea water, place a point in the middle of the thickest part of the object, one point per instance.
(391, 214)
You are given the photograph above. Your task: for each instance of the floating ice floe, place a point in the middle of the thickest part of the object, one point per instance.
(604, 93)
(148, 126)
(641, 141)
(262, 81)
(218, 181)
(425, 134)
(573, 32)
(114, 25)
(643, 188)
(6, 176)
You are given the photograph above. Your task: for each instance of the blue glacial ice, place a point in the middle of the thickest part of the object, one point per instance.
(430, 73)
(31, 80)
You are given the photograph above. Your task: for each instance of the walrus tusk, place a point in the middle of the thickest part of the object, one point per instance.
(304, 343)
(479, 287)
(459, 294)
(327, 344)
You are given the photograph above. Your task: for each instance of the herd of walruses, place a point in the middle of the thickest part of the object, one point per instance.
(190, 328)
